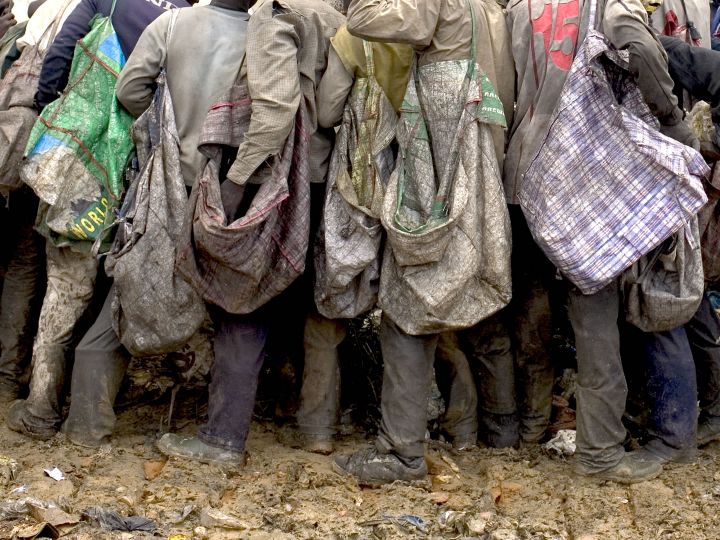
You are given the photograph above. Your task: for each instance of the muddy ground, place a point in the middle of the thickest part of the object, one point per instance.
(288, 494)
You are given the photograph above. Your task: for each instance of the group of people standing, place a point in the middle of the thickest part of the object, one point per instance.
(384, 115)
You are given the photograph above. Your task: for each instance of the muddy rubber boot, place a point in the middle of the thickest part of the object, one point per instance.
(194, 449)
(708, 430)
(372, 468)
(637, 466)
(500, 430)
(19, 419)
(465, 443)
(292, 437)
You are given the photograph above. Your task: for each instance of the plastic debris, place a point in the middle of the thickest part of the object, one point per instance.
(112, 521)
(8, 470)
(176, 519)
(55, 473)
(19, 490)
(211, 517)
(403, 521)
(563, 443)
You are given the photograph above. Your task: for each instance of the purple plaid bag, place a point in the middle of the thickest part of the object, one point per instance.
(606, 187)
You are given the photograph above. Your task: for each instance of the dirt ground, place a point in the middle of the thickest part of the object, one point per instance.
(289, 494)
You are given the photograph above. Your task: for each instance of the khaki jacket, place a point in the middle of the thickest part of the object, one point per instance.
(441, 30)
(287, 49)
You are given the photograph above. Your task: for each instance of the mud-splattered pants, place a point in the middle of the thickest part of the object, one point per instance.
(70, 285)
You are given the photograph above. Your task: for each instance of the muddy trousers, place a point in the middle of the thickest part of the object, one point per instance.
(601, 385)
(668, 375)
(320, 392)
(70, 285)
(239, 356)
(407, 379)
(24, 281)
(703, 332)
(457, 385)
(100, 365)
(531, 326)
(488, 346)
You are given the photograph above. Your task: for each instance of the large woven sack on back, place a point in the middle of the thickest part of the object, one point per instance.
(349, 241)
(709, 227)
(663, 290)
(155, 311)
(447, 260)
(17, 115)
(80, 145)
(606, 187)
(241, 265)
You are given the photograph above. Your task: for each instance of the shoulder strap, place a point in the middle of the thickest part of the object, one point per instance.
(369, 59)
(112, 9)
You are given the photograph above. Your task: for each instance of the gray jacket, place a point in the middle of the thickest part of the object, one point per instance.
(203, 60)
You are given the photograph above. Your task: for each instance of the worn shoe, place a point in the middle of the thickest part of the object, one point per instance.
(708, 430)
(193, 448)
(465, 443)
(294, 438)
(17, 419)
(636, 466)
(372, 468)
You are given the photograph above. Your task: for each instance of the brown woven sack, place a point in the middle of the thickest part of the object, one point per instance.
(240, 266)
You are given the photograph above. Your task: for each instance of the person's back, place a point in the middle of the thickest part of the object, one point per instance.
(203, 58)
(129, 18)
(688, 20)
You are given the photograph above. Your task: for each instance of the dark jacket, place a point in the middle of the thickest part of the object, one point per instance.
(695, 70)
(129, 20)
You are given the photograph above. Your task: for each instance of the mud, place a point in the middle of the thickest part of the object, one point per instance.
(291, 494)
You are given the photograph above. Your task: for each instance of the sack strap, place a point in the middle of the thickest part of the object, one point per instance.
(112, 9)
(369, 59)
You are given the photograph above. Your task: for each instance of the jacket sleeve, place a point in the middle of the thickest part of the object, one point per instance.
(394, 21)
(275, 93)
(58, 61)
(695, 69)
(624, 26)
(136, 85)
(333, 91)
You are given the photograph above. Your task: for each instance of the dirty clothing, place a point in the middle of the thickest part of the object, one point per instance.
(488, 347)
(70, 285)
(101, 362)
(346, 62)
(239, 356)
(441, 30)
(407, 379)
(625, 23)
(22, 289)
(667, 376)
(457, 386)
(695, 70)
(672, 17)
(703, 332)
(294, 37)
(100, 365)
(601, 386)
(129, 20)
(192, 84)
(320, 393)
(542, 65)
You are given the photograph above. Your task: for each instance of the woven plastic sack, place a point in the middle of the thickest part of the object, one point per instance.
(663, 290)
(348, 247)
(240, 266)
(709, 227)
(155, 311)
(80, 145)
(17, 115)
(606, 187)
(447, 260)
